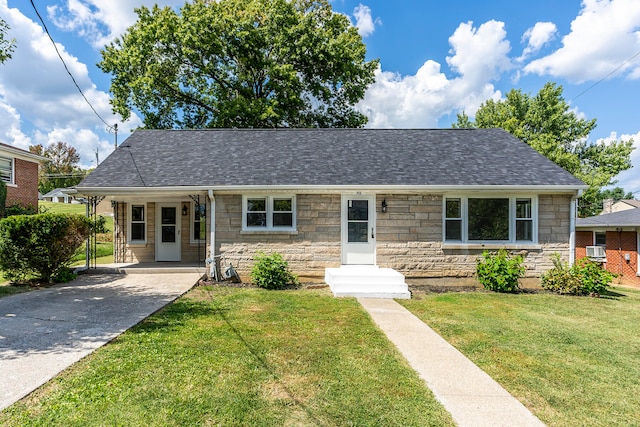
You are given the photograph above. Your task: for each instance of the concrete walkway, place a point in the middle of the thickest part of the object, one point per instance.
(43, 332)
(468, 393)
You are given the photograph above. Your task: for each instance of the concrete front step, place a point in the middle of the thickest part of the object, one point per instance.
(366, 281)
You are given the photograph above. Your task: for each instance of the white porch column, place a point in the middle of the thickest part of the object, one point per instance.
(572, 231)
(212, 232)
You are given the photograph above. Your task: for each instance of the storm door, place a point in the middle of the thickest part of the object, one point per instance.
(358, 230)
(168, 232)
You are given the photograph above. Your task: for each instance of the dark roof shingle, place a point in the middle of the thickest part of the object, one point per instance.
(326, 157)
(626, 218)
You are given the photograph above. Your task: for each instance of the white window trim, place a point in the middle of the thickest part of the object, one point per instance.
(12, 181)
(193, 221)
(269, 202)
(464, 209)
(146, 219)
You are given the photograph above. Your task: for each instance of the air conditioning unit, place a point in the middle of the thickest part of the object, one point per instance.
(596, 253)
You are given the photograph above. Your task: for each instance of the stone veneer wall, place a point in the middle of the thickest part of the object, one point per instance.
(315, 246)
(410, 237)
(145, 252)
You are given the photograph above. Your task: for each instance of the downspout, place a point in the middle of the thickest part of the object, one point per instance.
(212, 233)
(572, 230)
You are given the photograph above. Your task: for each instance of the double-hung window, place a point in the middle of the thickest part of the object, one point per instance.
(6, 170)
(137, 223)
(275, 213)
(198, 220)
(490, 219)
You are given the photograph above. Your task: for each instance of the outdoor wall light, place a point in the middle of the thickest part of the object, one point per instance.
(384, 205)
(184, 210)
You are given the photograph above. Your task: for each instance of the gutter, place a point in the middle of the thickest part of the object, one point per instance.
(572, 230)
(378, 189)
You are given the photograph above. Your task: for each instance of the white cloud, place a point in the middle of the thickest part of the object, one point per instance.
(418, 101)
(99, 21)
(603, 36)
(480, 54)
(39, 102)
(364, 22)
(537, 37)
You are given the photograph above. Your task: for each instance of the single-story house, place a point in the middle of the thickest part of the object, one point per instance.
(421, 202)
(19, 171)
(58, 195)
(610, 205)
(617, 234)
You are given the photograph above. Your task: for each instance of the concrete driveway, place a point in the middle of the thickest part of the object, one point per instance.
(44, 331)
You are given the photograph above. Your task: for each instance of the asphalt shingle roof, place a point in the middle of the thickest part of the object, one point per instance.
(325, 157)
(626, 218)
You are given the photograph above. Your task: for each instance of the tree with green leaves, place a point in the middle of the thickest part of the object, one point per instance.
(240, 63)
(545, 122)
(7, 45)
(62, 170)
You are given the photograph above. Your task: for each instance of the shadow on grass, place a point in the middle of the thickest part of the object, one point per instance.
(261, 361)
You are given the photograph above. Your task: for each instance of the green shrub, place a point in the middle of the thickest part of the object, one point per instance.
(583, 278)
(19, 209)
(499, 271)
(41, 245)
(272, 272)
(3, 198)
(64, 275)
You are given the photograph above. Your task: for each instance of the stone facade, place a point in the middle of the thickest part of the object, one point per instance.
(312, 248)
(126, 252)
(408, 237)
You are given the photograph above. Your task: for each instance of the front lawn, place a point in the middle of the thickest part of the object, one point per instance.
(246, 357)
(573, 361)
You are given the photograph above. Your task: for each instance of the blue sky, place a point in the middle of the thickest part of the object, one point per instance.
(436, 59)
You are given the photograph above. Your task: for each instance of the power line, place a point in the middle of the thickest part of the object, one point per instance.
(110, 127)
(605, 77)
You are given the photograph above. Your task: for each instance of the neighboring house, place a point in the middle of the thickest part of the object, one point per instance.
(19, 170)
(58, 196)
(609, 205)
(617, 233)
(423, 202)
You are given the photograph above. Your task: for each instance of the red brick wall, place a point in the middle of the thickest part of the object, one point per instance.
(583, 239)
(619, 244)
(25, 191)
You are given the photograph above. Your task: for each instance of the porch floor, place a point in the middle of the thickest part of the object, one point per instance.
(366, 281)
(150, 268)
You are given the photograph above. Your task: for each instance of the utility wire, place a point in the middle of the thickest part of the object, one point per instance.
(605, 77)
(110, 127)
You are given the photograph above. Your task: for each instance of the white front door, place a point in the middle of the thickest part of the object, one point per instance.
(358, 230)
(168, 232)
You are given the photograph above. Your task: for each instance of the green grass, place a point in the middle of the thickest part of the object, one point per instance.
(245, 357)
(71, 208)
(573, 361)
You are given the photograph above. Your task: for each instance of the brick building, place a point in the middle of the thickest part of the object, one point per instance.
(19, 171)
(617, 233)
